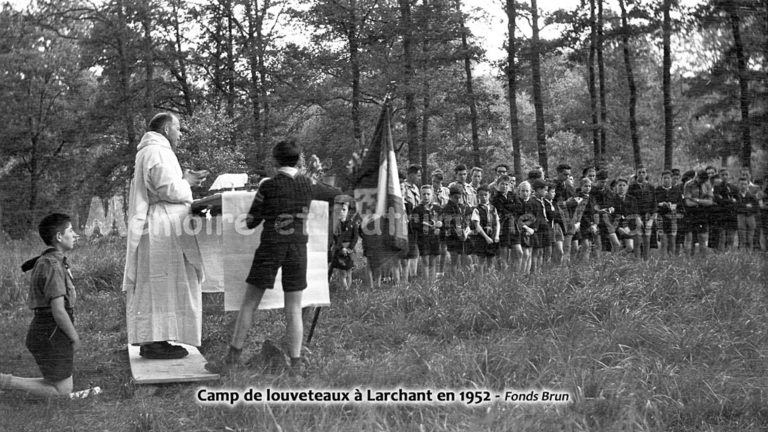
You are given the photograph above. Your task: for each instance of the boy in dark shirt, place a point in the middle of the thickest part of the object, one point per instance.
(645, 197)
(699, 198)
(485, 224)
(346, 233)
(626, 217)
(669, 199)
(603, 198)
(526, 224)
(725, 219)
(543, 232)
(282, 203)
(683, 225)
(509, 209)
(456, 228)
(582, 219)
(426, 216)
(746, 209)
(52, 338)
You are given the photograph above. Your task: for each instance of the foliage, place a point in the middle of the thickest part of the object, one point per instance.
(244, 75)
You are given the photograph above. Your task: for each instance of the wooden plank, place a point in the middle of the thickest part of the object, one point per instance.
(188, 369)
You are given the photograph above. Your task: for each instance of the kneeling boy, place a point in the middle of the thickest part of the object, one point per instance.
(52, 338)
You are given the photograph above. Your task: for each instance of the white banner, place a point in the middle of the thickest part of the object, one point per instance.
(229, 261)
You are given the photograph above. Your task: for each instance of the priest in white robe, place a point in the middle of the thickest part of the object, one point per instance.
(163, 267)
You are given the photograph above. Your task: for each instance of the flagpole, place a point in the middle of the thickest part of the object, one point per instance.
(387, 98)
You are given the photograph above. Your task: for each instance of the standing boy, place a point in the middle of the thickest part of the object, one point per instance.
(645, 197)
(626, 217)
(746, 209)
(543, 237)
(52, 338)
(509, 209)
(282, 203)
(485, 224)
(699, 198)
(669, 199)
(411, 199)
(426, 216)
(456, 227)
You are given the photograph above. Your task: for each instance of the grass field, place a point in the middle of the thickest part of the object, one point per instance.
(673, 345)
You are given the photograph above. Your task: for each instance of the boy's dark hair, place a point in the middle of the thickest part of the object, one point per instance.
(287, 153)
(504, 179)
(622, 180)
(533, 175)
(601, 175)
(414, 169)
(483, 188)
(538, 184)
(51, 225)
(460, 167)
(744, 179)
(586, 170)
(675, 171)
(562, 167)
(506, 167)
(158, 122)
(666, 172)
(687, 175)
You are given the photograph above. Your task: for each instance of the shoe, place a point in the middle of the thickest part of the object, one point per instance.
(298, 367)
(82, 394)
(270, 357)
(223, 366)
(162, 351)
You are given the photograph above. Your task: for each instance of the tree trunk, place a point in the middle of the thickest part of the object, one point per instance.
(230, 63)
(511, 71)
(263, 72)
(470, 91)
(125, 82)
(601, 77)
(411, 122)
(181, 72)
(593, 85)
(538, 103)
(34, 178)
(741, 59)
(631, 85)
(425, 175)
(669, 129)
(354, 64)
(149, 62)
(254, 22)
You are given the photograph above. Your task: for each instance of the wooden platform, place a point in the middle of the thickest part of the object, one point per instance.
(188, 369)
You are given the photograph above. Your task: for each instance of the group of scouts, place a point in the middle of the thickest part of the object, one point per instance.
(522, 226)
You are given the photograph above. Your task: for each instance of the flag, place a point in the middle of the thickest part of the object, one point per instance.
(379, 199)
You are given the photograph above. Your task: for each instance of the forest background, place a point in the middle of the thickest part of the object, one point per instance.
(613, 83)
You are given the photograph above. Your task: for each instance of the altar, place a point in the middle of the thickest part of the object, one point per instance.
(227, 247)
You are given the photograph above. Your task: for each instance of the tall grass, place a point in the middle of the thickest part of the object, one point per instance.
(677, 344)
(97, 266)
